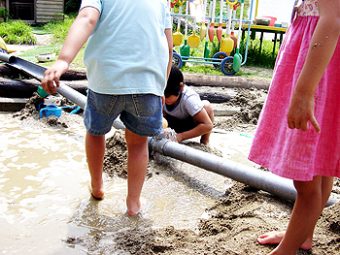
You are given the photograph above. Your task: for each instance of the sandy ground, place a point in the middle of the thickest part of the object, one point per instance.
(237, 218)
(231, 226)
(228, 227)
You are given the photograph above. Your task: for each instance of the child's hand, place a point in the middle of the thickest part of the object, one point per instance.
(50, 82)
(301, 111)
(179, 137)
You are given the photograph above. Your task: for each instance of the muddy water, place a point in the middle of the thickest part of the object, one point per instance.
(42, 180)
(45, 206)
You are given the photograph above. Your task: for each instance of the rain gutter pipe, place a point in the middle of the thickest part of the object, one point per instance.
(261, 180)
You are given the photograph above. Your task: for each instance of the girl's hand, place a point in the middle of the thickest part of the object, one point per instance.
(50, 82)
(301, 111)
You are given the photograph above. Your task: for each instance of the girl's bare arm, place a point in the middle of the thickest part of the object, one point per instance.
(322, 47)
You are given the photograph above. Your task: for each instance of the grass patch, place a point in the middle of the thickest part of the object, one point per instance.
(30, 55)
(265, 58)
(17, 32)
(59, 29)
(245, 71)
(202, 69)
(39, 30)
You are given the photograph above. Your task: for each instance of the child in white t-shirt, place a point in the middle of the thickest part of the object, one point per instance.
(185, 112)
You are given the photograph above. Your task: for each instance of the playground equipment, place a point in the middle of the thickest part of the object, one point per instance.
(4, 48)
(227, 57)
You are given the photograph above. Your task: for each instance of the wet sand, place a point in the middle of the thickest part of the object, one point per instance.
(186, 210)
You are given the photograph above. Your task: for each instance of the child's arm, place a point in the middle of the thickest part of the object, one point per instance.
(324, 41)
(168, 34)
(205, 126)
(78, 34)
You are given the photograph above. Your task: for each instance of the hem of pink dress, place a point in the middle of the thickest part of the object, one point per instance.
(293, 173)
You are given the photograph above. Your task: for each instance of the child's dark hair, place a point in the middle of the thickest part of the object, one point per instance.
(173, 85)
(293, 14)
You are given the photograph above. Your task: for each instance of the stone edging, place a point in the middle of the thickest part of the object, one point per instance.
(225, 81)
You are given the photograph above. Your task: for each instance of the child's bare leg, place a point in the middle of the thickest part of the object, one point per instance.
(275, 237)
(209, 109)
(306, 211)
(95, 149)
(138, 157)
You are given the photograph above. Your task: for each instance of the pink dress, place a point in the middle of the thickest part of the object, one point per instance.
(295, 154)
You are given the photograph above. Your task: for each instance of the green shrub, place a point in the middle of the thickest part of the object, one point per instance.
(3, 13)
(72, 6)
(17, 32)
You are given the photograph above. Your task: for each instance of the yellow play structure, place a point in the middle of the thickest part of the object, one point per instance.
(4, 47)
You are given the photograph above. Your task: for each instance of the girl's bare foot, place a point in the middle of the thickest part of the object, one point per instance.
(133, 207)
(275, 237)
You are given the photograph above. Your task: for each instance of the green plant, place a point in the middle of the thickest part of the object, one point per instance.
(72, 6)
(265, 58)
(17, 32)
(3, 13)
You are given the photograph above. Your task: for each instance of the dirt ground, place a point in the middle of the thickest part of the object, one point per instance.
(237, 218)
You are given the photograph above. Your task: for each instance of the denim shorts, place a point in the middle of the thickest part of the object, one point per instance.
(140, 113)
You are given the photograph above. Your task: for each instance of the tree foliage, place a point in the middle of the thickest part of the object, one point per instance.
(72, 6)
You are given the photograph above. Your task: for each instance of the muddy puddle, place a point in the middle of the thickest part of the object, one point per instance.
(45, 206)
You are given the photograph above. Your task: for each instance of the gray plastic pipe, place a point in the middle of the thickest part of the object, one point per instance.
(261, 180)
(37, 72)
(276, 185)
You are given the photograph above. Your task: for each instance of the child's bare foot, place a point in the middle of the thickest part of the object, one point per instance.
(97, 193)
(133, 207)
(275, 237)
(204, 140)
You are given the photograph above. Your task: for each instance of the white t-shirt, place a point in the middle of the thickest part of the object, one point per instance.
(189, 105)
(128, 51)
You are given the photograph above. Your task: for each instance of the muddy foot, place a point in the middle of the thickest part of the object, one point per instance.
(275, 237)
(133, 207)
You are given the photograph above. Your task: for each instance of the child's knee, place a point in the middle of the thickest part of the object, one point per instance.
(209, 108)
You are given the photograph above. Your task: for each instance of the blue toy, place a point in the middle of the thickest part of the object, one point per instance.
(50, 110)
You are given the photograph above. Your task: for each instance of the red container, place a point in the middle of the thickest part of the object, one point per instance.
(272, 20)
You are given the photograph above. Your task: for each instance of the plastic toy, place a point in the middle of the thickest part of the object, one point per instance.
(227, 44)
(237, 56)
(219, 30)
(50, 110)
(185, 49)
(177, 37)
(223, 52)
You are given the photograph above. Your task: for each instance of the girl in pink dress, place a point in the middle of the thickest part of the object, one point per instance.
(298, 135)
